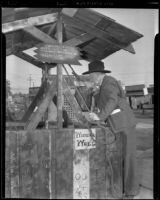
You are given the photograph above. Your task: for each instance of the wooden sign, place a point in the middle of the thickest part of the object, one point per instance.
(58, 53)
(83, 139)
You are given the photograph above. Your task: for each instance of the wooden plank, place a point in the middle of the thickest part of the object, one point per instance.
(37, 33)
(37, 99)
(11, 14)
(95, 31)
(15, 124)
(97, 159)
(7, 166)
(31, 21)
(79, 39)
(59, 75)
(64, 164)
(52, 29)
(34, 164)
(37, 115)
(14, 165)
(32, 60)
(53, 163)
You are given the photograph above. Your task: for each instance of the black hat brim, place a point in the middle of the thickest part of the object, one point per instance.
(102, 71)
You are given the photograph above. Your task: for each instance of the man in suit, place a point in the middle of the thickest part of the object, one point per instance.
(109, 96)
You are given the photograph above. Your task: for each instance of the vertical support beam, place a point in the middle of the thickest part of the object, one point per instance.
(59, 75)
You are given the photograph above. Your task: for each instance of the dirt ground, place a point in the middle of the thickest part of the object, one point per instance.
(144, 133)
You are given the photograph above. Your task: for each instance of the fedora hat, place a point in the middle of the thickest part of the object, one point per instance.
(96, 66)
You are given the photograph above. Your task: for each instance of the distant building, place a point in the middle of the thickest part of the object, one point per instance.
(139, 94)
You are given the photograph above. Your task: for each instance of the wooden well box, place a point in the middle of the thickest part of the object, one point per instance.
(56, 164)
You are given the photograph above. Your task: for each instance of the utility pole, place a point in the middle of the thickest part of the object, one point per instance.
(30, 80)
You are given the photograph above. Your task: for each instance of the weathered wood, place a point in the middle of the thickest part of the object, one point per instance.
(15, 124)
(37, 33)
(41, 164)
(96, 32)
(35, 164)
(31, 60)
(79, 39)
(11, 14)
(98, 179)
(64, 164)
(59, 75)
(32, 21)
(37, 115)
(34, 103)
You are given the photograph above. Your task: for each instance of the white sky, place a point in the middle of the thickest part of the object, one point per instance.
(131, 69)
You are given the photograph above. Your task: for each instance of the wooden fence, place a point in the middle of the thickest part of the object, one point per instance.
(41, 164)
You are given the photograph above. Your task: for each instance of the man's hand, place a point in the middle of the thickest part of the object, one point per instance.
(93, 117)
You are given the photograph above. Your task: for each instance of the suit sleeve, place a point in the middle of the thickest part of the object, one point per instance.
(109, 95)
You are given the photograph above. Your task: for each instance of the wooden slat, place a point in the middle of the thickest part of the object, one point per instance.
(53, 155)
(15, 124)
(87, 16)
(64, 164)
(34, 164)
(123, 33)
(59, 75)
(32, 60)
(32, 21)
(37, 33)
(79, 39)
(7, 166)
(29, 59)
(94, 31)
(37, 115)
(11, 14)
(97, 159)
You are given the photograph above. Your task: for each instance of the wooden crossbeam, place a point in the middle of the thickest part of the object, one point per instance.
(31, 60)
(41, 108)
(79, 39)
(35, 102)
(95, 32)
(40, 35)
(31, 21)
(15, 124)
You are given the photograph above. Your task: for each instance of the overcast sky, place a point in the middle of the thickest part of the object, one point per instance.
(131, 69)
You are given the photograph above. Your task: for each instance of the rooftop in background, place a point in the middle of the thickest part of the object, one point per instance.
(96, 35)
(138, 90)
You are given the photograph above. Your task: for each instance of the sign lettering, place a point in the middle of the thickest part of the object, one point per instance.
(58, 53)
(84, 139)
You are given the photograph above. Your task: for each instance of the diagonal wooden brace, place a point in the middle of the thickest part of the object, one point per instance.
(41, 108)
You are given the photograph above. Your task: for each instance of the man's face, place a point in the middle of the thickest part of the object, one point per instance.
(94, 77)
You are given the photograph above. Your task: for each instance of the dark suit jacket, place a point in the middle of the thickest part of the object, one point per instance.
(110, 97)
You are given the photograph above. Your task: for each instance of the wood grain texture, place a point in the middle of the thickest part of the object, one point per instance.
(64, 164)
(39, 164)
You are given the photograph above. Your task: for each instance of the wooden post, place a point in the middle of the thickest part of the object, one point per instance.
(59, 76)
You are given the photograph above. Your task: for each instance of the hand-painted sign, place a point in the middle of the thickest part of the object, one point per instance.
(85, 139)
(58, 53)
